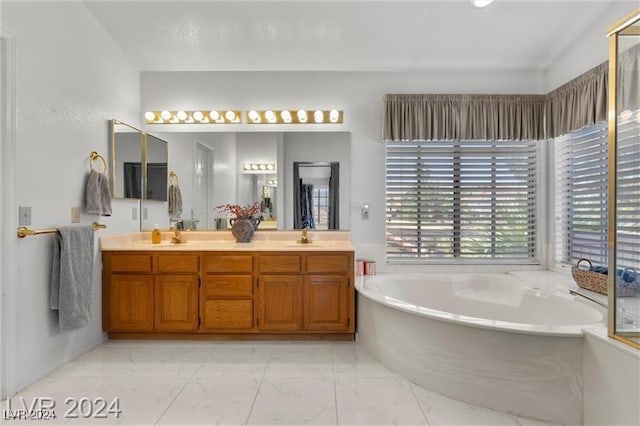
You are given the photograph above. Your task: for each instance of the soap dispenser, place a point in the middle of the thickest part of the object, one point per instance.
(156, 236)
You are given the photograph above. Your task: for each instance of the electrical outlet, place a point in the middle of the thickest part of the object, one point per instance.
(134, 213)
(145, 213)
(24, 216)
(75, 214)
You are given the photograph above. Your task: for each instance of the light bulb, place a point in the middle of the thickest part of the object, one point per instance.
(286, 116)
(318, 116)
(230, 115)
(254, 116)
(214, 115)
(254, 166)
(263, 167)
(270, 116)
(247, 166)
(302, 116)
(150, 115)
(198, 115)
(181, 115)
(270, 167)
(481, 3)
(334, 115)
(165, 115)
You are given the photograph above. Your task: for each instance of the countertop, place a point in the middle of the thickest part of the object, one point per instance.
(224, 241)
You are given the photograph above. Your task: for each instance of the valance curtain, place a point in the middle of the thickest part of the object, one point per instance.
(448, 117)
(629, 79)
(578, 103)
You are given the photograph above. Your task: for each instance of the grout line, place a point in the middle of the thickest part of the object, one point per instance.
(264, 373)
(335, 388)
(411, 386)
(182, 390)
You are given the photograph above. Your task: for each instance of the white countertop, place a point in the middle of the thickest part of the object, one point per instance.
(224, 241)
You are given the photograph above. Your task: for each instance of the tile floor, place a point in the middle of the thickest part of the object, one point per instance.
(256, 383)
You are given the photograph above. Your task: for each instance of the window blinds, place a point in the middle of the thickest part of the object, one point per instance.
(628, 187)
(457, 200)
(581, 195)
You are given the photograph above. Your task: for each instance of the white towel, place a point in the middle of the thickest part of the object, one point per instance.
(97, 194)
(175, 201)
(72, 276)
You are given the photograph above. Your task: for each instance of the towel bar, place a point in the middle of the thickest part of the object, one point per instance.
(23, 231)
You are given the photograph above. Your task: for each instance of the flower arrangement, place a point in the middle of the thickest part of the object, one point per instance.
(238, 211)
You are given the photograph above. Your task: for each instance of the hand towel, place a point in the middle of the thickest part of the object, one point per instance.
(72, 276)
(97, 194)
(175, 201)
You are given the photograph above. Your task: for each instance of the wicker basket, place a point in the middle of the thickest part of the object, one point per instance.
(594, 281)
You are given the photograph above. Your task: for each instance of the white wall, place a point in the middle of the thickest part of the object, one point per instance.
(590, 50)
(71, 79)
(358, 94)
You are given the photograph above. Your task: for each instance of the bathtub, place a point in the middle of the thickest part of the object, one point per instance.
(494, 340)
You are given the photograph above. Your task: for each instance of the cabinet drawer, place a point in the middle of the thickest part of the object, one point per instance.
(328, 263)
(228, 263)
(228, 314)
(228, 286)
(178, 263)
(131, 263)
(283, 263)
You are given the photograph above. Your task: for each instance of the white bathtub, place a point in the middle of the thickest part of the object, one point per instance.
(493, 340)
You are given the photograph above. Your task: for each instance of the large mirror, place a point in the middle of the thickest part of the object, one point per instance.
(216, 168)
(126, 160)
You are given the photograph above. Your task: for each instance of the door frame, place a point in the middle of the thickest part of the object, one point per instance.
(210, 183)
(8, 240)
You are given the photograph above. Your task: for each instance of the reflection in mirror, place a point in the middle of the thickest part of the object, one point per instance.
(126, 160)
(210, 166)
(316, 195)
(157, 158)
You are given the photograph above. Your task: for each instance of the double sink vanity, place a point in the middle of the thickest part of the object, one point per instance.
(211, 287)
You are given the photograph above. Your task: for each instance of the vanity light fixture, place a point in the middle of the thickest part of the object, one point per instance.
(263, 168)
(300, 116)
(193, 117)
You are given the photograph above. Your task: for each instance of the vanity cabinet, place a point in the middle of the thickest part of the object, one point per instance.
(229, 294)
(150, 292)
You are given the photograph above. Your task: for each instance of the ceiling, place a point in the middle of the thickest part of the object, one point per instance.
(345, 35)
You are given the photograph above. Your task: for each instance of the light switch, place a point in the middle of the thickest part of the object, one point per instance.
(24, 216)
(365, 211)
(75, 214)
(145, 213)
(134, 213)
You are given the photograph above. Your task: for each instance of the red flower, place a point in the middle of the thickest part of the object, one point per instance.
(237, 211)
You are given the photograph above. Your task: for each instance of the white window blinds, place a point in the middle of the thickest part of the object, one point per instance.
(628, 187)
(581, 195)
(452, 200)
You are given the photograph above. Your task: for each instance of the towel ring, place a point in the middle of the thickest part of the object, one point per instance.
(174, 176)
(95, 156)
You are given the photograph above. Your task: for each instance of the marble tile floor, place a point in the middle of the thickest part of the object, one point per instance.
(243, 383)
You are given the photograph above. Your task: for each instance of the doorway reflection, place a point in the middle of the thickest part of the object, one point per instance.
(316, 195)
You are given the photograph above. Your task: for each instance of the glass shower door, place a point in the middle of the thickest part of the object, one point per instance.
(624, 178)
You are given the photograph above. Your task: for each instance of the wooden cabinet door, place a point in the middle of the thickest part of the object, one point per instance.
(280, 302)
(326, 302)
(176, 303)
(131, 303)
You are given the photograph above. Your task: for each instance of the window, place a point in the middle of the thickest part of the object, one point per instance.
(452, 200)
(581, 195)
(582, 188)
